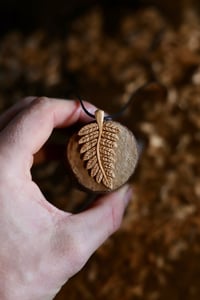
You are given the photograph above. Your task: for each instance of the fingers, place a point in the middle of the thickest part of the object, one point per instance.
(95, 225)
(9, 114)
(30, 129)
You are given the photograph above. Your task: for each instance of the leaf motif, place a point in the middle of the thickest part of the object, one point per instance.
(89, 153)
(98, 143)
(89, 137)
(108, 159)
(106, 142)
(91, 162)
(107, 151)
(99, 176)
(107, 181)
(108, 165)
(110, 135)
(110, 127)
(88, 129)
(87, 146)
(94, 170)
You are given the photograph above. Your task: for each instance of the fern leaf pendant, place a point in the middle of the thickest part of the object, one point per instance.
(98, 141)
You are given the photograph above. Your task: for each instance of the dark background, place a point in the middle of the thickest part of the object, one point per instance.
(53, 15)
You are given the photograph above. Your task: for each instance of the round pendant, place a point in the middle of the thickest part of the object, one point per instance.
(102, 155)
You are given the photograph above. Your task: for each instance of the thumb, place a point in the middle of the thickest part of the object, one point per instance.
(93, 226)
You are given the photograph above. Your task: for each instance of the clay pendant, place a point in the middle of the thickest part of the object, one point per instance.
(102, 155)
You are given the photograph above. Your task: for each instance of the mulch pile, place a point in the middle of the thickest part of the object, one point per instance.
(156, 253)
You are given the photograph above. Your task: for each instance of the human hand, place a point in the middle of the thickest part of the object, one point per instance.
(41, 247)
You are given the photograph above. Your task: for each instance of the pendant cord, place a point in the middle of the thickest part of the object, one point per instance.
(119, 113)
(85, 110)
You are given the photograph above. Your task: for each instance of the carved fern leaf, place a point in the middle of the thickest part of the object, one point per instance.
(98, 142)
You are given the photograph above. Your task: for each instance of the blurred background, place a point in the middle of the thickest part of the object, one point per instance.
(105, 51)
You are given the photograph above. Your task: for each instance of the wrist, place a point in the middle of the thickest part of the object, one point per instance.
(12, 288)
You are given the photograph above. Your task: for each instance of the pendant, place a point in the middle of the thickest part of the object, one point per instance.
(102, 155)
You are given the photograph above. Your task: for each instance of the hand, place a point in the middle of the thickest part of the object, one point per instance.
(41, 247)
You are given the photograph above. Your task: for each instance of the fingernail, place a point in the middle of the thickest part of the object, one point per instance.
(127, 193)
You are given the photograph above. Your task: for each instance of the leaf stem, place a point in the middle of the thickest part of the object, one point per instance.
(99, 115)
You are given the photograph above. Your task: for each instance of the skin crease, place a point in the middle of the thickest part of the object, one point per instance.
(42, 246)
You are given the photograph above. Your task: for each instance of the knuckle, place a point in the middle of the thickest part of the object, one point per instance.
(72, 245)
(41, 101)
(27, 100)
(78, 254)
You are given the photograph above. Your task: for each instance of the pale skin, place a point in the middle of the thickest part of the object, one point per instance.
(41, 247)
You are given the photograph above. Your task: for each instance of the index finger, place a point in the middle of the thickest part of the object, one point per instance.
(30, 129)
